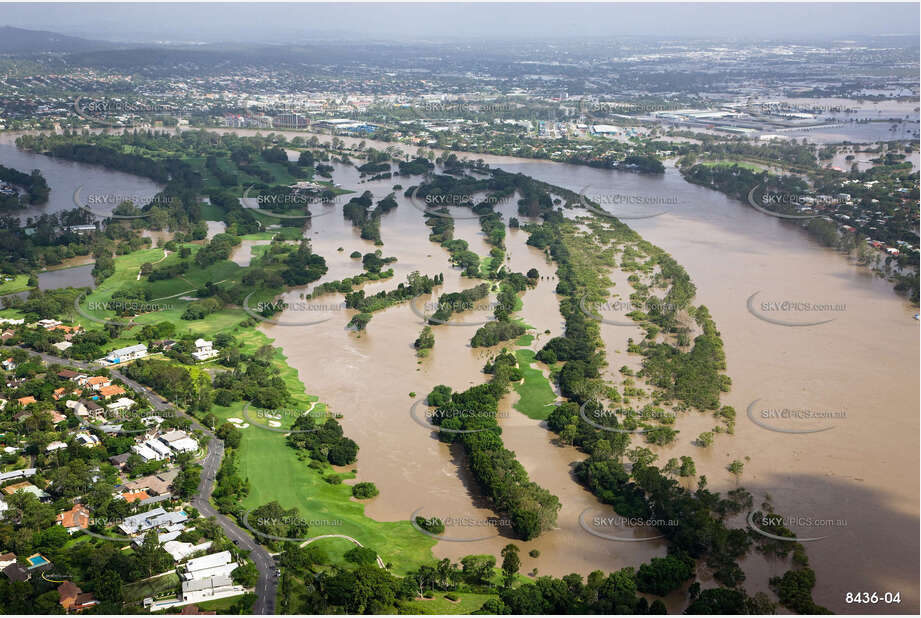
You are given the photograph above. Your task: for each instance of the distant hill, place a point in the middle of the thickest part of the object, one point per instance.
(22, 41)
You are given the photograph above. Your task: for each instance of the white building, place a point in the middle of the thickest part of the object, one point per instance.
(161, 449)
(212, 565)
(146, 453)
(122, 355)
(203, 350)
(180, 551)
(179, 441)
(62, 346)
(155, 518)
(123, 403)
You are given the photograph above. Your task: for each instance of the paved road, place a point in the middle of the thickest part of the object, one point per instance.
(267, 583)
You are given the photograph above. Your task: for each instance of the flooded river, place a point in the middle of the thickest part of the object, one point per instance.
(90, 182)
(859, 478)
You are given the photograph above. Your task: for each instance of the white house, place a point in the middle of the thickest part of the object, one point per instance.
(203, 350)
(122, 355)
(123, 403)
(179, 441)
(62, 346)
(56, 446)
(212, 565)
(154, 518)
(146, 453)
(160, 448)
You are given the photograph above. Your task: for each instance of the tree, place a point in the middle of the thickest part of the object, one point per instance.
(365, 490)
(663, 575)
(510, 563)
(736, 467)
(245, 575)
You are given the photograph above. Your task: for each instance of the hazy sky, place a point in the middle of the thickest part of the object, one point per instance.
(283, 23)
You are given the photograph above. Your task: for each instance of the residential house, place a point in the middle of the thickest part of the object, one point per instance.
(67, 374)
(130, 353)
(179, 441)
(62, 346)
(154, 518)
(120, 405)
(97, 382)
(112, 390)
(209, 577)
(57, 445)
(203, 350)
(119, 461)
(28, 488)
(72, 598)
(180, 551)
(16, 573)
(146, 453)
(88, 439)
(24, 401)
(9, 364)
(131, 496)
(7, 559)
(77, 518)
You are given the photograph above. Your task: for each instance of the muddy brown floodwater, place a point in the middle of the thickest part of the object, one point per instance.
(855, 483)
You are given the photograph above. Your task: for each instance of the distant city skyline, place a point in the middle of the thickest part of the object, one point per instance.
(276, 23)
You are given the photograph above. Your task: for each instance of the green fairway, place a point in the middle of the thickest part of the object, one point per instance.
(275, 472)
(535, 392)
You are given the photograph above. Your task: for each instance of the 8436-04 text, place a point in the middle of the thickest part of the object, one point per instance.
(873, 597)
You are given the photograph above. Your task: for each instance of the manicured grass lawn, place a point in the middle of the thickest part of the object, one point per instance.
(467, 603)
(219, 605)
(535, 392)
(20, 283)
(138, 591)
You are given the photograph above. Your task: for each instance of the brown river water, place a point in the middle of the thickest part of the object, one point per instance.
(855, 484)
